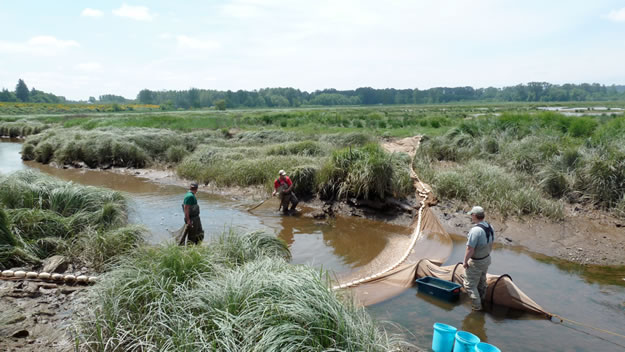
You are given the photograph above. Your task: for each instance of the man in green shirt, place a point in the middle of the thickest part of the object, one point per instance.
(194, 232)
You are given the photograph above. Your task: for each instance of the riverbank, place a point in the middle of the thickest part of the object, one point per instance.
(584, 236)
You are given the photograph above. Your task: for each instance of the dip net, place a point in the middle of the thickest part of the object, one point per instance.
(429, 246)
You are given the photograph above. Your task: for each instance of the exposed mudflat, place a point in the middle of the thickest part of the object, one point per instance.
(38, 316)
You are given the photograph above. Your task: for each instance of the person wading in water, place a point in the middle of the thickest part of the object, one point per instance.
(283, 186)
(193, 231)
(477, 257)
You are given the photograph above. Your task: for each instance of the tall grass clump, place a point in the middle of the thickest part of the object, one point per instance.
(131, 147)
(601, 176)
(368, 173)
(176, 153)
(480, 182)
(348, 139)
(306, 148)
(20, 128)
(236, 294)
(238, 165)
(44, 216)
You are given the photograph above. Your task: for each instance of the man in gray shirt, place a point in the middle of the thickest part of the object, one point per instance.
(477, 257)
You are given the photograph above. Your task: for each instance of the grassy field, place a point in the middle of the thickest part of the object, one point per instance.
(480, 153)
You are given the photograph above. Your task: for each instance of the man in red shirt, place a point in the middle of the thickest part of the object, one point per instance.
(284, 186)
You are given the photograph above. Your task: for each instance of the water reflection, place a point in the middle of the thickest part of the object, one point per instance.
(475, 322)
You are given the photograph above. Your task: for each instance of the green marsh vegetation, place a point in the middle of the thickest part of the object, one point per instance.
(327, 151)
(41, 216)
(238, 293)
(521, 163)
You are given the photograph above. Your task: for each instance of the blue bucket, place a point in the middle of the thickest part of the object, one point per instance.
(465, 342)
(443, 339)
(486, 347)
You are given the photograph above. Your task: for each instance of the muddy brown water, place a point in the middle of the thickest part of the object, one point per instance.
(592, 295)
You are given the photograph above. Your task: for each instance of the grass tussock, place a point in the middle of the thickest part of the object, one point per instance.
(43, 216)
(20, 128)
(236, 294)
(368, 172)
(108, 147)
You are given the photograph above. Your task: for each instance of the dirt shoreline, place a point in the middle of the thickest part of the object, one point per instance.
(583, 237)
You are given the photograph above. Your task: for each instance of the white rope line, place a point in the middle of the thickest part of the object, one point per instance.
(415, 236)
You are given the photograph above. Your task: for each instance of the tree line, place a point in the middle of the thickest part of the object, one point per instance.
(291, 97)
(23, 94)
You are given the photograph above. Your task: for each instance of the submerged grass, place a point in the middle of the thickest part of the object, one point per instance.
(236, 294)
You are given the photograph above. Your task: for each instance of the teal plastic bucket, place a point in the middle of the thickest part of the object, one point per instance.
(465, 342)
(486, 347)
(443, 339)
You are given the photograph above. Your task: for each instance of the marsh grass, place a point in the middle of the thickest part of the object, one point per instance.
(367, 172)
(20, 128)
(108, 147)
(548, 155)
(235, 294)
(43, 216)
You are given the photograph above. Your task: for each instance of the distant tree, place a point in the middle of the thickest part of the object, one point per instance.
(220, 104)
(146, 96)
(92, 100)
(112, 98)
(21, 91)
(7, 96)
(194, 97)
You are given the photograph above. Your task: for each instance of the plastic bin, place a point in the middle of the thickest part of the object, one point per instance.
(465, 342)
(486, 347)
(436, 287)
(443, 339)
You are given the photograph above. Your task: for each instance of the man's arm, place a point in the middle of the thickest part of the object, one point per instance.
(467, 255)
(187, 218)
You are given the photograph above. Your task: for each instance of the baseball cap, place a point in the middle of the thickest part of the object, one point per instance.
(477, 210)
(281, 172)
(193, 185)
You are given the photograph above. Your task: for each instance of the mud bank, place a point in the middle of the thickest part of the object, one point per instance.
(584, 236)
(38, 316)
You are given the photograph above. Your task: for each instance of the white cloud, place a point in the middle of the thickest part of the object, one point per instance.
(89, 66)
(617, 15)
(43, 45)
(91, 13)
(139, 13)
(186, 42)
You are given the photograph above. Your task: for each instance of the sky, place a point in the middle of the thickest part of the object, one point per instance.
(87, 48)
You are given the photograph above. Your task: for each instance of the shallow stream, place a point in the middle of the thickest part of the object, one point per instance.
(591, 295)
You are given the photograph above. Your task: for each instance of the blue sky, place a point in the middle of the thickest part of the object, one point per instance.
(88, 48)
